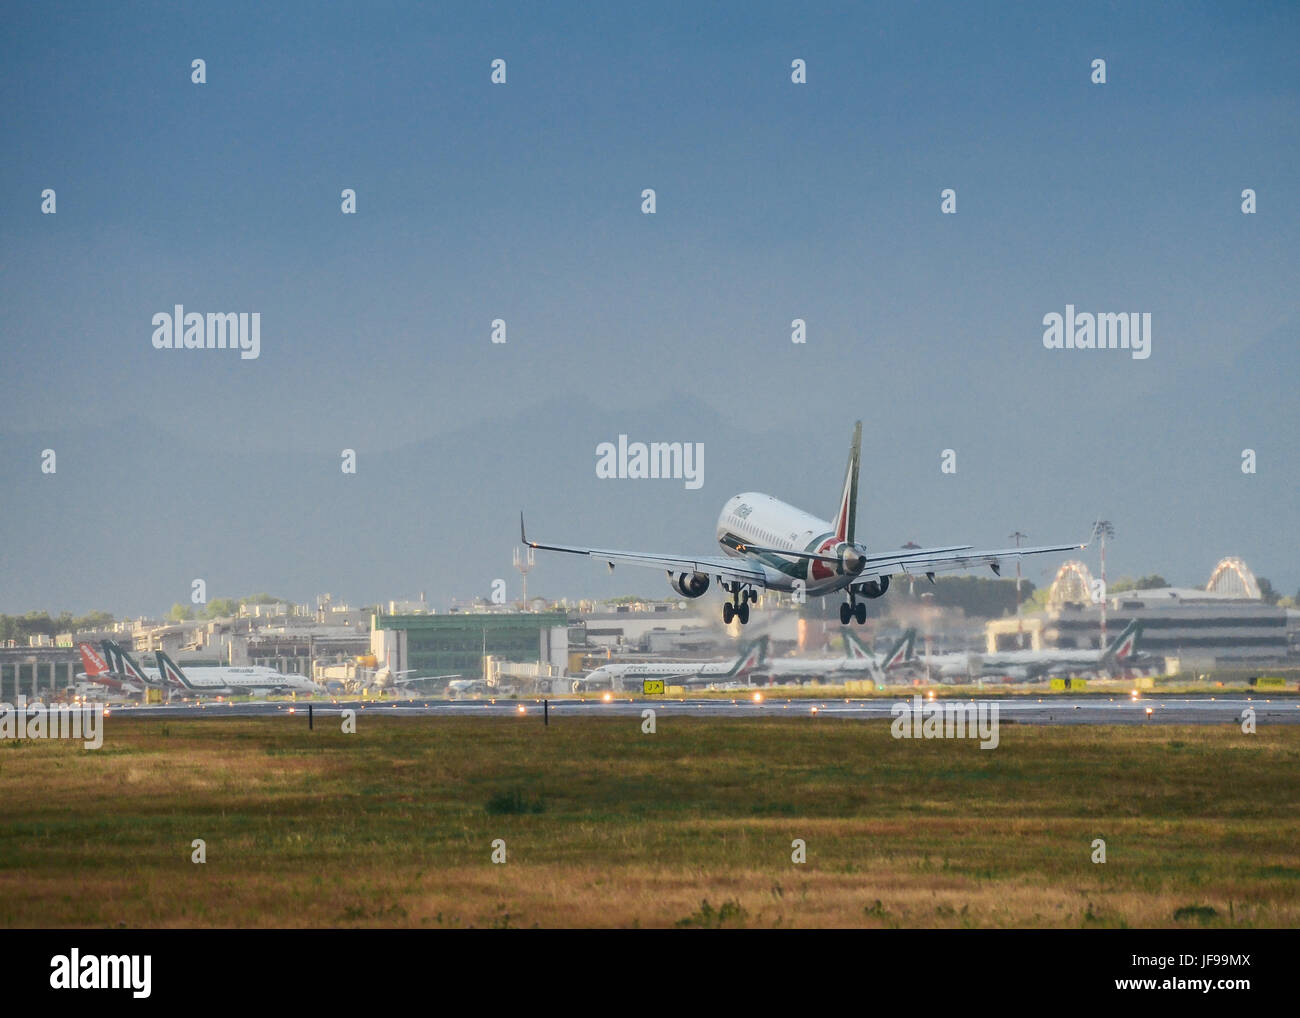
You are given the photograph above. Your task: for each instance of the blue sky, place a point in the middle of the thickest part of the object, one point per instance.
(775, 201)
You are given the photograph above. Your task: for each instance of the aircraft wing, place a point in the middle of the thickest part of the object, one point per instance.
(714, 565)
(942, 560)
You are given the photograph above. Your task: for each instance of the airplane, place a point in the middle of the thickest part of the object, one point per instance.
(899, 654)
(768, 544)
(858, 659)
(386, 678)
(1035, 664)
(99, 672)
(469, 687)
(230, 681)
(677, 673)
(122, 665)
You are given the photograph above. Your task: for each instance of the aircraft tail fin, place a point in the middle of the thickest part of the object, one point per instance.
(846, 516)
(121, 663)
(751, 656)
(92, 661)
(1125, 645)
(170, 672)
(902, 650)
(855, 649)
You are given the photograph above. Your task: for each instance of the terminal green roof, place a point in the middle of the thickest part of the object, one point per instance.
(473, 620)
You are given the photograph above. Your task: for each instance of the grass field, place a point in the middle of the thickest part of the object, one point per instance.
(606, 826)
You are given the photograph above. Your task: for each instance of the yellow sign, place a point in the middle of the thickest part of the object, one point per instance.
(649, 686)
(1058, 685)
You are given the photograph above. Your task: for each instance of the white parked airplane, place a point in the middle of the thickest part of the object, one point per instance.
(123, 666)
(386, 677)
(678, 673)
(1036, 664)
(770, 545)
(99, 672)
(858, 659)
(232, 680)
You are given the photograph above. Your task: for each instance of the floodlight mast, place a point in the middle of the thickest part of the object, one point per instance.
(1103, 529)
(524, 563)
(1020, 626)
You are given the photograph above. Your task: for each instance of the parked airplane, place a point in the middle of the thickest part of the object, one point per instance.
(899, 654)
(677, 673)
(469, 687)
(123, 665)
(386, 678)
(229, 681)
(1035, 664)
(770, 545)
(99, 672)
(858, 660)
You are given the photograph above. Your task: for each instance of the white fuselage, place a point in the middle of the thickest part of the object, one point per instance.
(665, 670)
(819, 666)
(242, 680)
(752, 518)
(1019, 664)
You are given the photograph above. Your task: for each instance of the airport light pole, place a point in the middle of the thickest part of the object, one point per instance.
(1020, 626)
(927, 613)
(911, 577)
(1102, 530)
(524, 563)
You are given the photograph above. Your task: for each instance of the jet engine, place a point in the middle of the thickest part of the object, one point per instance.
(875, 588)
(689, 584)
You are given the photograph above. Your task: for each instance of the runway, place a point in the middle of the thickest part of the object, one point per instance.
(1044, 710)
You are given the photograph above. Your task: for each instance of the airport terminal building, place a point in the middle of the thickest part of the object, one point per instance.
(458, 642)
(1188, 627)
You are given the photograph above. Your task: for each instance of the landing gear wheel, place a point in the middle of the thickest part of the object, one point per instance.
(860, 612)
(743, 613)
(845, 613)
(753, 595)
(727, 613)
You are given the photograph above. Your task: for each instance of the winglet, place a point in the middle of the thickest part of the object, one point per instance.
(522, 536)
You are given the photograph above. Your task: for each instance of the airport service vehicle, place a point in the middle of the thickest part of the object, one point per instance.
(1036, 664)
(858, 660)
(768, 544)
(232, 681)
(676, 673)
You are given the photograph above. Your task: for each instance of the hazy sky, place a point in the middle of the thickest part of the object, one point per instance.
(522, 201)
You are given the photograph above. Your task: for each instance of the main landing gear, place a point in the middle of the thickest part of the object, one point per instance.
(856, 610)
(738, 607)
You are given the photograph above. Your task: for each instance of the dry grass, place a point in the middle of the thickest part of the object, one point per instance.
(605, 826)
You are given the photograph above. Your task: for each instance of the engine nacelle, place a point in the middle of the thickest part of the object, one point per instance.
(689, 584)
(875, 588)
